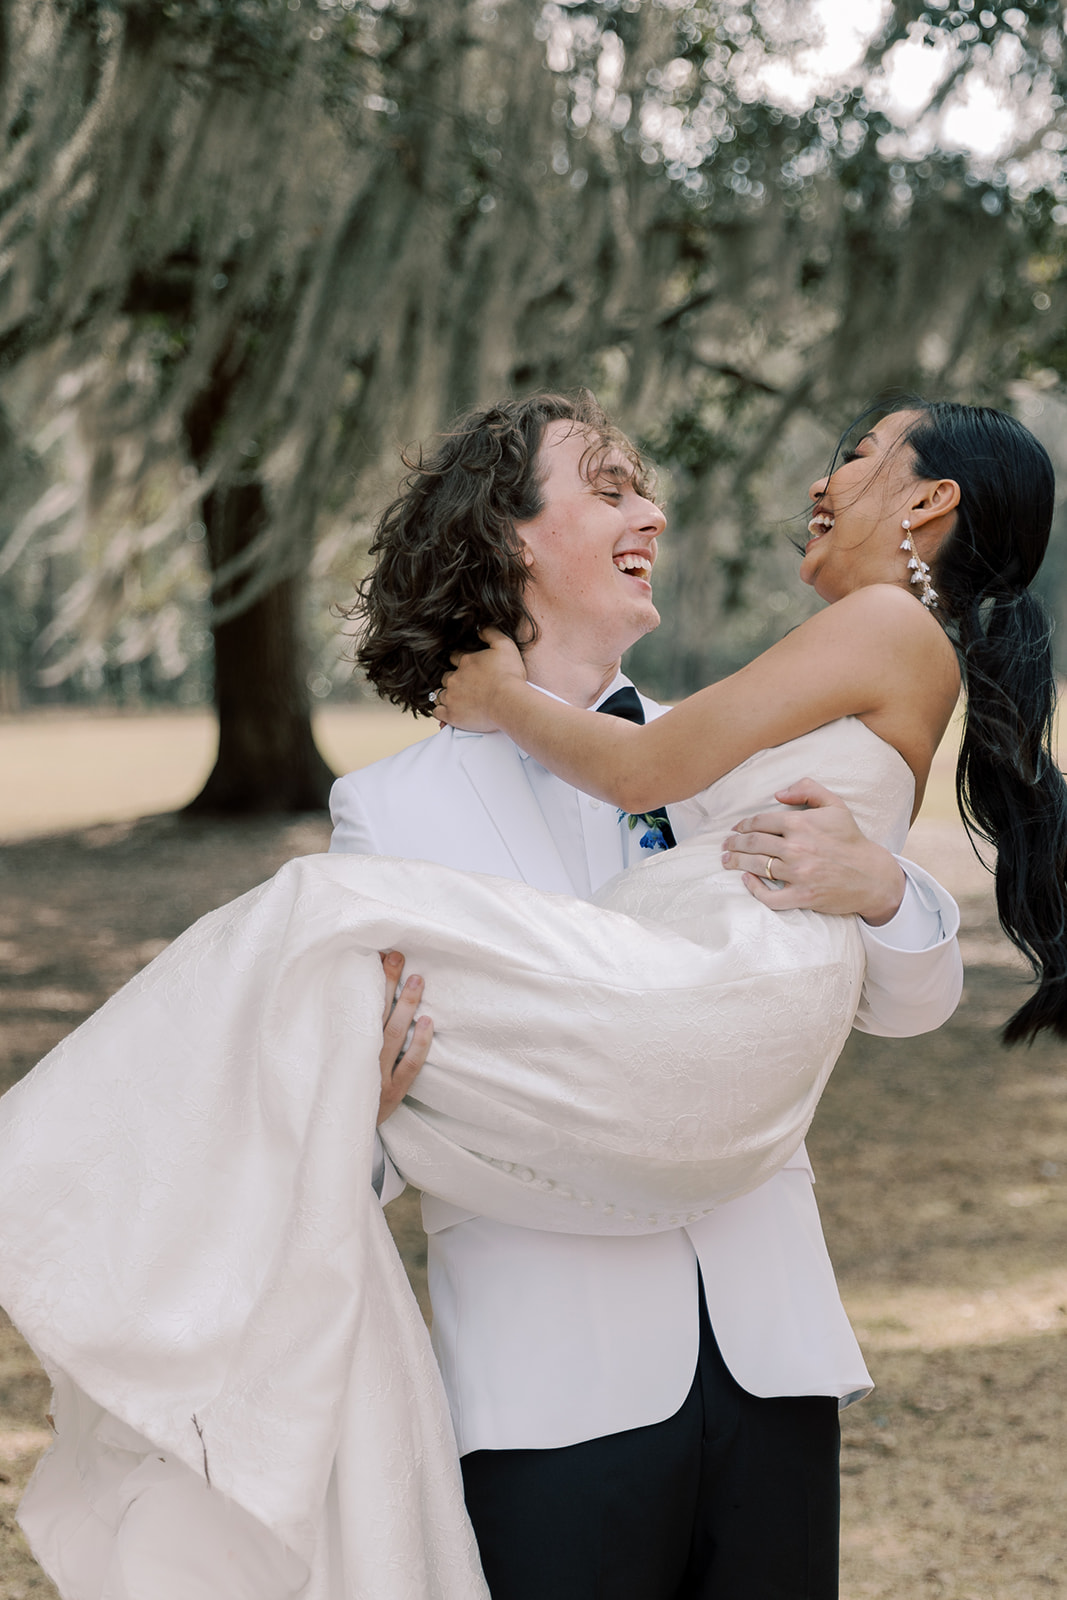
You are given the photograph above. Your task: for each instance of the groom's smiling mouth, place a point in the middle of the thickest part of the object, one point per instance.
(635, 564)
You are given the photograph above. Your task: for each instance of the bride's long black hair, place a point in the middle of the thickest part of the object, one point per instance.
(1010, 791)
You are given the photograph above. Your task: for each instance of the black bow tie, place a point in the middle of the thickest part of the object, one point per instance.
(626, 703)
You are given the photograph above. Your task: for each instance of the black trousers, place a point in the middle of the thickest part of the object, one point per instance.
(732, 1498)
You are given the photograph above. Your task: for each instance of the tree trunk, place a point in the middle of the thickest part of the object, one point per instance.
(267, 758)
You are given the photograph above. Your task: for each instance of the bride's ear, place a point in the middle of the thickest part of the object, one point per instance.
(934, 508)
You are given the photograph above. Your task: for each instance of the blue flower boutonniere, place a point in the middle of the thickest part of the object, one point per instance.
(656, 824)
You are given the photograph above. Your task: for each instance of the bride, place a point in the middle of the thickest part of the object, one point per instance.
(188, 1236)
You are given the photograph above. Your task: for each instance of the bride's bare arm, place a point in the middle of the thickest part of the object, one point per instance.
(876, 654)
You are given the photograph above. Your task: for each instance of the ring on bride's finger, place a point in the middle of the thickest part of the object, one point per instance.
(767, 873)
(432, 696)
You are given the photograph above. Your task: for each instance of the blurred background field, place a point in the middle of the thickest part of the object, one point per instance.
(68, 768)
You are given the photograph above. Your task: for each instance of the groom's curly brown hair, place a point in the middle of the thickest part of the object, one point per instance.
(449, 561)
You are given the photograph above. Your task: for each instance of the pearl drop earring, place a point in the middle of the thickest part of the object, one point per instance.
(920, 572)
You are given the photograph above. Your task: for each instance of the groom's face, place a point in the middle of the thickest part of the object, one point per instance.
(590, 550)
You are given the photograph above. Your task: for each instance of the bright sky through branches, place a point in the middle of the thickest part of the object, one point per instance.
(978, 115)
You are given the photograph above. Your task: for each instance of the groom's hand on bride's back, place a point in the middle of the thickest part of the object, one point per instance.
(405, 1037)
(818, 859)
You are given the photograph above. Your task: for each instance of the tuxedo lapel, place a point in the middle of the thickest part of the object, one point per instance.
(494, 768)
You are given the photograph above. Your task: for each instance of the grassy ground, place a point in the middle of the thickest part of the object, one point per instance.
(942, 1164)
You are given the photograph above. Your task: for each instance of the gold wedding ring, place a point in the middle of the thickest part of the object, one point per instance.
(767, 873)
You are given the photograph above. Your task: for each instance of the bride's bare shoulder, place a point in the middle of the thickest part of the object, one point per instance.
(892, 650)
(888, 610)
(888, 602)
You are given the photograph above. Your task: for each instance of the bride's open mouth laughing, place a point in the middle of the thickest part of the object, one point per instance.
(821, 523)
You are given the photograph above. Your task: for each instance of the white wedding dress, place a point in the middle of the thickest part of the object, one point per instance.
(246, 1403)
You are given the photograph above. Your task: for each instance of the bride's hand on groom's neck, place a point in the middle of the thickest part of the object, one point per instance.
(473, 694)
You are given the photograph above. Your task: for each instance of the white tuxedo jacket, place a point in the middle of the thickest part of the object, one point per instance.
(547, 1339)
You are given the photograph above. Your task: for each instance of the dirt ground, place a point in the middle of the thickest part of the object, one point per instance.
(942, 1181)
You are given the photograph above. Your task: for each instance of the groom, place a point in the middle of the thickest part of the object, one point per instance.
(644, 1418)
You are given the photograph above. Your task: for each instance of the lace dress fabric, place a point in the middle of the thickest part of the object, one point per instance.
(188, 1236)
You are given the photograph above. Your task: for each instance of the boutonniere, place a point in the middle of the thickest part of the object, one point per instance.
(655, 822)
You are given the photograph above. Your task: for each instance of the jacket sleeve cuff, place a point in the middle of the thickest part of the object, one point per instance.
(927, 915)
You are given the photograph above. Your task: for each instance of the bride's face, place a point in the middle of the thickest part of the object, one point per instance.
(855, 532)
